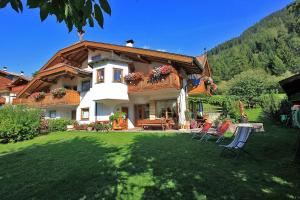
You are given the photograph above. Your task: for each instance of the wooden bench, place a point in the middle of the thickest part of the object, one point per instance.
(154, 123)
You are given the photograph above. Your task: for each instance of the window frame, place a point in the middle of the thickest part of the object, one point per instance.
(97, 78)
(82, 85)
(81, 113)
(52, 111)
(113, 74)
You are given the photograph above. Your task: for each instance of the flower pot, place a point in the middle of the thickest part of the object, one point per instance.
(70, 127)
(187, 125)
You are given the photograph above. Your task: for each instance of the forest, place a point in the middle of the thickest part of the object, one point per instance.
(273, 44)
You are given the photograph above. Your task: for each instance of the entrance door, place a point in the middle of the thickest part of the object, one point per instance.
(125, 110)
(73, 115)
(141, 112)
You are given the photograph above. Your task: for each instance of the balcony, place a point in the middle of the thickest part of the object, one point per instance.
(71, 98)
(171, 81)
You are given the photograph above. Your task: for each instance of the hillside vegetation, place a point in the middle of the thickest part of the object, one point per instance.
(273, 44)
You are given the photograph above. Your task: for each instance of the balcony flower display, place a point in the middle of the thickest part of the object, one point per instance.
(159, 73)
(58, 92)
(39, 95)
(133, 77)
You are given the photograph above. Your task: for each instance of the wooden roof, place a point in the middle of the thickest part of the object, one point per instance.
(78, 52)
(204, 62)
(4, 82)
(50, 74)
(291, 86)
(70, 59)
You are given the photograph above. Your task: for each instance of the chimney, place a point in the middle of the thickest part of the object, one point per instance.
(4, 68)
(129, 43)
(22, 73)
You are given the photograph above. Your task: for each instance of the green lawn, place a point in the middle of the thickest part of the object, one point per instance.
(80, 165)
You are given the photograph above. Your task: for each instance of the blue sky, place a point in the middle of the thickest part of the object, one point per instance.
(178, 26)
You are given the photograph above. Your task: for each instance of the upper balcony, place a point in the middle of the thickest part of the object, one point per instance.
(171, 81)
(71, 98)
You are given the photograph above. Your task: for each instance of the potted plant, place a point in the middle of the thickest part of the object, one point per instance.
(58, 92)
(133, 78)
(117, 120)
(90, 126)
(160, 73)
(39, 95)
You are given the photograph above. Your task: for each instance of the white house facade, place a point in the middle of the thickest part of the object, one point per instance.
(98, 80)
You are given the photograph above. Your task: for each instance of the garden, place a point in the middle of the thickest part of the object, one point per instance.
(39, 157)
(91, 165)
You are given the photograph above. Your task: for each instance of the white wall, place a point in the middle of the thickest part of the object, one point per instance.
(109, 89)
(61, 112)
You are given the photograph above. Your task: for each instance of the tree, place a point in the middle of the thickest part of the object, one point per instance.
(75, 13)
(251, 84)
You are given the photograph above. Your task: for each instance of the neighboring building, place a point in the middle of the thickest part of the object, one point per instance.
(10, 85)
(100, 79)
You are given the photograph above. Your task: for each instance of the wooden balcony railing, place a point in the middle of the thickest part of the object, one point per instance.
(171, 81)
(70, 98)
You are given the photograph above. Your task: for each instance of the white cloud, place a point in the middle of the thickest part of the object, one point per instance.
(163, 50)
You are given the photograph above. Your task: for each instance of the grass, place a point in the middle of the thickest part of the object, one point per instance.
(82, 165)
(211, 108)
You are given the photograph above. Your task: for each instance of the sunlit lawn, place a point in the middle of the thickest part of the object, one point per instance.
(82, 165)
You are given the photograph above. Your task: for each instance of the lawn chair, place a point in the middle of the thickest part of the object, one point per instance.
(219, 132)
(204, 130)
(237, 145)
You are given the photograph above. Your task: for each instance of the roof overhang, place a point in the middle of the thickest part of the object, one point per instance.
(80, 52)
(291, 85)
(52, 73)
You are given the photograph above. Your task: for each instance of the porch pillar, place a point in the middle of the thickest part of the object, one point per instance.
(182, 104)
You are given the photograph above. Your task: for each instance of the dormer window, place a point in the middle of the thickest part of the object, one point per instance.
(117, 75)
(100, 75)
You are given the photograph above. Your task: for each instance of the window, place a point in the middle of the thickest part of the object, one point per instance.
(85, 114)
(117, 75)
(100, 75)
(166, 109)
(85, 86)
(52, 114)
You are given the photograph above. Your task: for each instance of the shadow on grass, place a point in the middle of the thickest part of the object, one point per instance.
(181, 169)
(73, 169)
(150, 166)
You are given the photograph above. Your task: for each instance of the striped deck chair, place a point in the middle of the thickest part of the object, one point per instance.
(219, 132)
(237, 145)
(204, 130)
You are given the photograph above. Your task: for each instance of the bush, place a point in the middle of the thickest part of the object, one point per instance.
(59, 124)
(102, 126)
(250, 85)
(231, 110)
(275, 105)
(19, 123)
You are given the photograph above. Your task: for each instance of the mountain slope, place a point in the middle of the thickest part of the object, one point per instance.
(272, 44)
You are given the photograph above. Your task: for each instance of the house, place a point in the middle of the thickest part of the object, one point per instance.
(89, 81)
(10, 85)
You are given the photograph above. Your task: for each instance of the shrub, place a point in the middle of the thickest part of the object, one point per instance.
(19, 123)
(117, 115)
(59, 124)
(275, 105)
(102, 126)
(230, 109)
